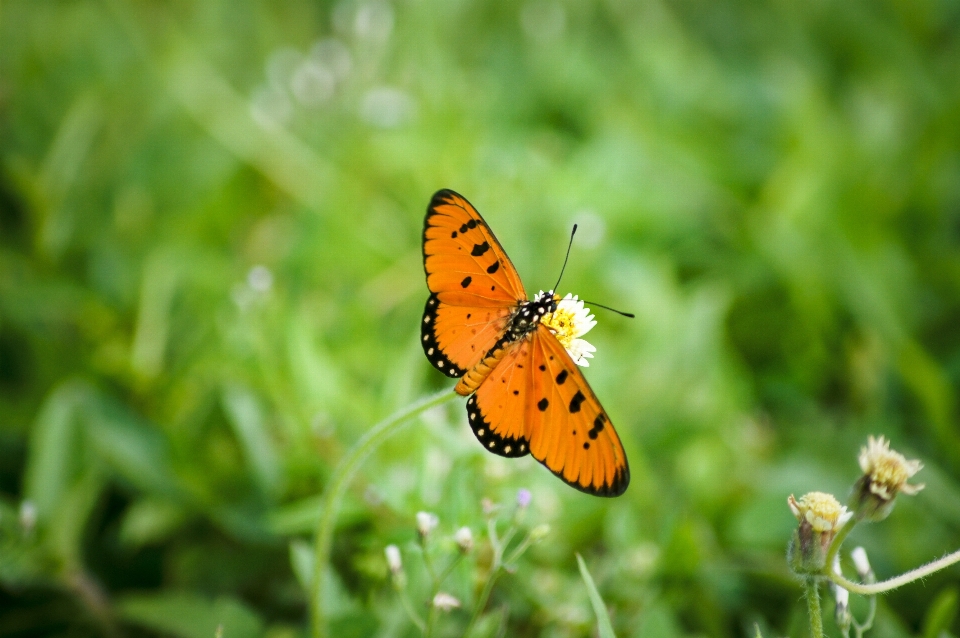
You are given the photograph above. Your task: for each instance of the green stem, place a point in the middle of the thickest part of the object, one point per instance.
(893, 583)
(408, 607)
(498, 549)
(337, 487)
(448, 570)
(838, 541)
(862, 628)
(482, 601)
(813, 607)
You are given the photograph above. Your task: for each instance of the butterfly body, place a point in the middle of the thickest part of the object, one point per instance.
(526, 393)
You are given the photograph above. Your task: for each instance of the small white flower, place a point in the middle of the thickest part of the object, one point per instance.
(426, 523)
(393, 559)
(569, 322)
(445, 602)
(464, 539)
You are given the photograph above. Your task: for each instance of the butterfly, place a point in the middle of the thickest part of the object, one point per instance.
(526, 393)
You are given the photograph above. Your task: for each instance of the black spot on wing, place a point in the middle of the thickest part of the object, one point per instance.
(575, 402)
(479, 249)
(490, 440)
(466, 282)
(561, 377)
(428, 340)
(543, 404)
(493, 268)
(472, 223)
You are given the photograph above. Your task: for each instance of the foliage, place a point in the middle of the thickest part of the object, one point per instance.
(210, 286)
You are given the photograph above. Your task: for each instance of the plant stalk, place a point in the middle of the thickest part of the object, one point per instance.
(337, 487)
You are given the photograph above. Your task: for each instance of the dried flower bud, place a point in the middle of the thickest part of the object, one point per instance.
(445, 602)
(862, 564)
(28, 516)
(885, 474)
(841, 612)
(426, 523)
(489, 507)
(820, 516)
(397, 575)
(464, 539)
(394, 562)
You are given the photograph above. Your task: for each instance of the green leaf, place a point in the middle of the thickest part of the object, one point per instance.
(150, 521)
(53, 456)
(599, 608)
(246, 416)
(187, 615)
(941, 614)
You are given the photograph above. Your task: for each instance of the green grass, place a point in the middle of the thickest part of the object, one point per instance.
(773, 188)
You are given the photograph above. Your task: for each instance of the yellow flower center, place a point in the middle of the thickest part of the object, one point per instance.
(563, 324)
(819, 509)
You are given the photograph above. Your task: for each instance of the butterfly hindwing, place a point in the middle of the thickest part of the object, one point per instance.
(455, 338)
(568, 430)
(496, 410)
(474, 286)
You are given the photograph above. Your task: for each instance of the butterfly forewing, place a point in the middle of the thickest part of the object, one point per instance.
(569, 431)
(474, 286)
(464, 262)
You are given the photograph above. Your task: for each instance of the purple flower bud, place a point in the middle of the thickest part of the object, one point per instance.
(523, 497)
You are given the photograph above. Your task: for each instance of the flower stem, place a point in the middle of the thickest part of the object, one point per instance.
(813, 608)
(411, 613)
(838, 541)
(903, 579)
(482, 601)
(337, 487)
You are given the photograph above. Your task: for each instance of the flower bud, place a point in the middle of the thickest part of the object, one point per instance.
(523, 498)
(397, 575)
(885, 474)
(28, 516)
(392, 553)
(445, 602)
(489, 507)
(426, 523)
(820, 516)
(539, 532)
(842, 611)
(464, 539)
(862, 564)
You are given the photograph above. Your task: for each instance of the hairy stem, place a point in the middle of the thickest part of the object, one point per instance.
(337, 487)
(898, 581)
(813, 608)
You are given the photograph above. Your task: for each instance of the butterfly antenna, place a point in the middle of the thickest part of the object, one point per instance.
(569, 246)
(619, 312)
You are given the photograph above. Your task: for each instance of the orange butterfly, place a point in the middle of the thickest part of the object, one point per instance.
(528, 395)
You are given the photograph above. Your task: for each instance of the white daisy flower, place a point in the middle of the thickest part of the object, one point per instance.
(569, 322)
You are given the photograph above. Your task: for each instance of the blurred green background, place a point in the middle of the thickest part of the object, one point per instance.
(211, 282)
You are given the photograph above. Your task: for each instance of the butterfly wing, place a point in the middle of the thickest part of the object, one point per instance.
(474, 286)
(496, 411)
(567, 428)
(537, 401)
